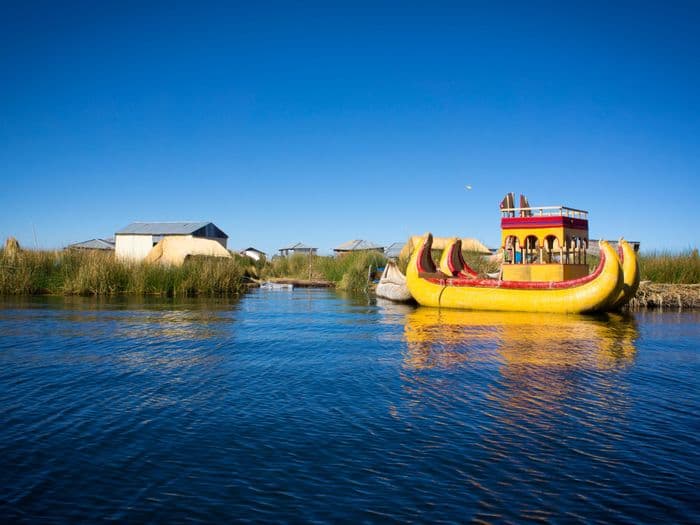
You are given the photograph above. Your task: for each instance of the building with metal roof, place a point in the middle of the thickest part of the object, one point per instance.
(394, 250)
(93, 244)
(358, 245)
(253, 253)
(298, 248)
(594, 246)
(198, 229)
(137, 239)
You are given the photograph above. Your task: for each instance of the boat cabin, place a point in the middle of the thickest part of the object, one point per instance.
(543, 243)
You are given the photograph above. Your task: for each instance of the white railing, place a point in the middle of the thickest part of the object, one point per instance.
(545, 211)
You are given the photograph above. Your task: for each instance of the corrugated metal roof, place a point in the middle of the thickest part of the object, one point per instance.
(94, 244)
(357, 245)
(162, 228)
(594, 246)
(394, 249)
(298, 246)
(251, 249)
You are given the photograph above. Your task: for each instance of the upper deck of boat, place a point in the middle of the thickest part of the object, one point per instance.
(544, 217)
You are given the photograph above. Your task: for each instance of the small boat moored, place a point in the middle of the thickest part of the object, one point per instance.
(392, 284)
(276, 286)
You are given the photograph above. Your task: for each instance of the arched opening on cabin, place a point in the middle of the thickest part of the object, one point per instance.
(530, 249)
(568, 250)
(580, 250)
(552, 249)
(580, 247)
(511, 250)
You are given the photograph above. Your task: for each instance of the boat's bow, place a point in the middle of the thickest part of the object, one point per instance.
(392, 285)
(631, 275)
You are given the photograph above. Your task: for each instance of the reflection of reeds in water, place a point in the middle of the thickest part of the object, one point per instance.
(172, 326)
(144, 325)
(138, 339)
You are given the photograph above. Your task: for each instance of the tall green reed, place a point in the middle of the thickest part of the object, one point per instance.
(72, 272)
(348, 272)
(669, 267)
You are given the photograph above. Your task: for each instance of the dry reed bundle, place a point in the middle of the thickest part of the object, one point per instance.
(661, 295)
(12, 248)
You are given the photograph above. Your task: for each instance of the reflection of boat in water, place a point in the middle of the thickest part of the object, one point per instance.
(514, 375)
(444, 338)
(545, 268)
(395, 309)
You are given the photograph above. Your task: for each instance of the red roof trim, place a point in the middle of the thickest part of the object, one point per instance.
(511, 223)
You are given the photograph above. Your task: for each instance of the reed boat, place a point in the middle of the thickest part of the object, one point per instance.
(392, 284)
(592, 293)
(544, 267)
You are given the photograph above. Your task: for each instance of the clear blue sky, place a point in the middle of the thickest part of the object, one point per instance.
(288, 122)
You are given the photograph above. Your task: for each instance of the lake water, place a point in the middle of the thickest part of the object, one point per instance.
(308, 406)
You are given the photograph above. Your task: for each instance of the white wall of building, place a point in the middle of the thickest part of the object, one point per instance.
(136, 247)
(133, 247)
(252, 254)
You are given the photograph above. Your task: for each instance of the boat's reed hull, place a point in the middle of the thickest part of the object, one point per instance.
(590, 294)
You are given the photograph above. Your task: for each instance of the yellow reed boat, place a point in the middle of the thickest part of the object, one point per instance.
(544, 268)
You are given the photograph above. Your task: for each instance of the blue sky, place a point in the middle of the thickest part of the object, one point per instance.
(293, 122)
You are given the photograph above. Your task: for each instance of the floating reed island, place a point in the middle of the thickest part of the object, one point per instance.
(669, 280)
(88, 272)
(92, 272)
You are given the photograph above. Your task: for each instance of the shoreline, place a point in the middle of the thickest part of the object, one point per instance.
(649, 296)
(302, 283)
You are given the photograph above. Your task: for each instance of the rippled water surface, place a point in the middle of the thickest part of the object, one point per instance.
(308, 406)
